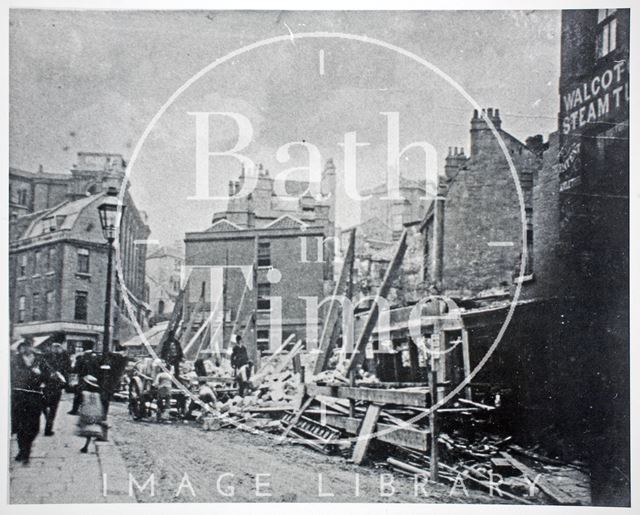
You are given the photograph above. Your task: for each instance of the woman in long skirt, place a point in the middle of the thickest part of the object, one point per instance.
(90, 422)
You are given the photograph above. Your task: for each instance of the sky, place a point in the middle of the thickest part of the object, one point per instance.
(92, 81)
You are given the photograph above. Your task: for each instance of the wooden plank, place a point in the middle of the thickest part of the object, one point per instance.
(365, 434)
(433, 429)
(418, 398)
(401, 436)
(466, 362)
(543, 484)
(327, 338)
(372, 315)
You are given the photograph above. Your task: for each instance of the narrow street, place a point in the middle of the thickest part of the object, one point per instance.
(230, 465)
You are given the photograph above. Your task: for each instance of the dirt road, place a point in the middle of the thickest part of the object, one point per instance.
(229, 465)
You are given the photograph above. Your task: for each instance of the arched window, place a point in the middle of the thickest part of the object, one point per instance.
(161, 307)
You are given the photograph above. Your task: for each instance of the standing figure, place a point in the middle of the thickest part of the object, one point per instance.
(91, 420)
(60, 364)
(171, 353)
(27, 375)
(241, 365)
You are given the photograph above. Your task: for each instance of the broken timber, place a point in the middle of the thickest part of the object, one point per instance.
(372, 316)
(329, 332)
(366, 432)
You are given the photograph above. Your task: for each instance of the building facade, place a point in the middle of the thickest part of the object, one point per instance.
(473, 232)
(58, 258)
(288, 244)
(581, 251)
(164, 275)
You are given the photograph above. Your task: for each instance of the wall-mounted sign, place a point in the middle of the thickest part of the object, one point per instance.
(602, 98)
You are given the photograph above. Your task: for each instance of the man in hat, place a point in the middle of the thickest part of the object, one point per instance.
(58, 359)
(27, 376)
(241, 365)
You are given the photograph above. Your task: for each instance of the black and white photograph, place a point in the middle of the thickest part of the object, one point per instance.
(318, 255)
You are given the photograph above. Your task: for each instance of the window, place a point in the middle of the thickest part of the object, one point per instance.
(606, 39)
(161, 307)
(35, 307)
(80, 306)
(37, 262)
(48, 306)
(262, 339)
(49, 224)
(264, 291)
(23, 265)
(22, 197)
(83, 261)
(22, 307)
(51, 259)
(264, 253)
(529, 265)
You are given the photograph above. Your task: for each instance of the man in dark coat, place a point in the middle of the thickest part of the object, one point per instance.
(27, 376)
(171, 353)
(60, 364)
(241, 365)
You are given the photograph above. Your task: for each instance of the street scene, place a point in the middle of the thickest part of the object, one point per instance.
(332, 256)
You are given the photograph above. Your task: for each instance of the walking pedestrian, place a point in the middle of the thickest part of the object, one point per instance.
(60, 365)
(27, 376)
(91, 420)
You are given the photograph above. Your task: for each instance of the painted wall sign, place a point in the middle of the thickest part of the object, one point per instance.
(603, 97)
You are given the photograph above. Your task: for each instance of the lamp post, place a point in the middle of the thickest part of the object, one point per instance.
(110, 214)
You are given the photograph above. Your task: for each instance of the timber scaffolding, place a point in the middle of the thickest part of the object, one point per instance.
(434, 425)
(437, 426)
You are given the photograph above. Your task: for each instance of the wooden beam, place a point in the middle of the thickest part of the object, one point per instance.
(466, 362)
(327, 339)
(402, 436)
(372, 316)
(418, 398)
(366, 432)
(433, 429)
(543, 484)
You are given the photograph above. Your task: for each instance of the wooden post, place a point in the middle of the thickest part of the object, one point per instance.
(367, 429)
(329, 332)
(466, 361)
(433, 426)
(372, 316)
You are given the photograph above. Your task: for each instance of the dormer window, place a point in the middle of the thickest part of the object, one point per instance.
(49, 224)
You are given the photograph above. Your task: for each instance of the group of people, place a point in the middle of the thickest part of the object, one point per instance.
(38, 379)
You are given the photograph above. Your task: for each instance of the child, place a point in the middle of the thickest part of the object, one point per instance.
(90, 423)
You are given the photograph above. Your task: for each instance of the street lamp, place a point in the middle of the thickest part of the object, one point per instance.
(110, 211)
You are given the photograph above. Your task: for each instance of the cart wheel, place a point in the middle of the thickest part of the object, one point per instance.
(136, 402)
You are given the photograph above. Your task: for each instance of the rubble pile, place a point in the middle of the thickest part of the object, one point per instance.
(276, 388)
(488, 462)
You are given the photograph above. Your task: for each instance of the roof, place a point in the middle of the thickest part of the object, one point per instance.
(66, 215)
(166, 252)
(38, 175)
(286, 222)
(223, 225)
(404, 183)
(152, 336)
